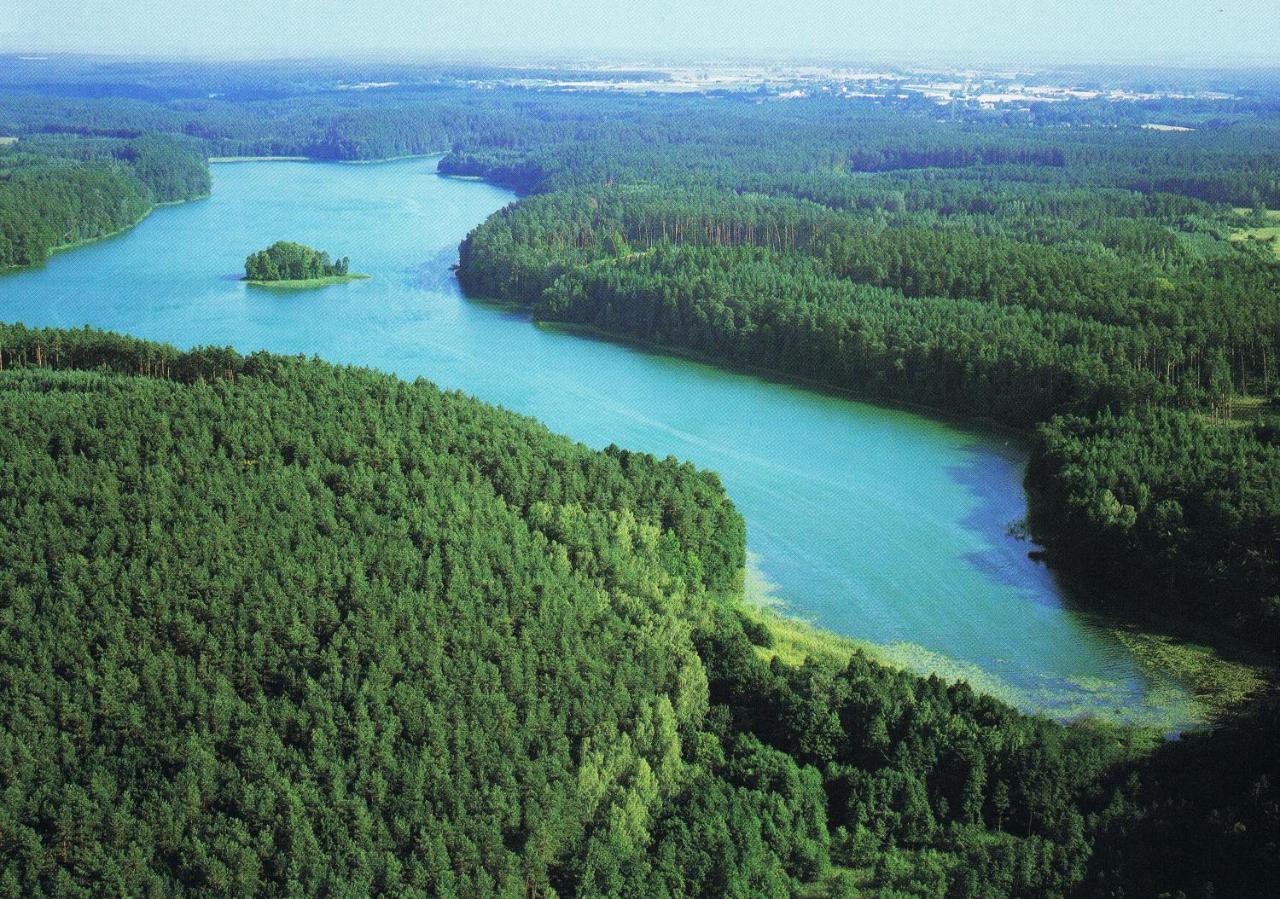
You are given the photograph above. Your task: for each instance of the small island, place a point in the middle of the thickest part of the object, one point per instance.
(293, 265)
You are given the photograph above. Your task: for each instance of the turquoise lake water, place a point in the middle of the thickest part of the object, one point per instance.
(879, 524)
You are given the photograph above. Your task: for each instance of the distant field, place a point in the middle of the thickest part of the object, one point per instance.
(7, 141)
(1269, 233)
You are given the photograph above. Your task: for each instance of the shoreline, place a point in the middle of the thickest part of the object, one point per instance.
(1216, 687)
(62, 248)
(211, 160)
(1217, 672)
(954, 419)
(1209, 662)
(84, 242)
(402, 158)
(963, 422)
(308, 283)
(223, 160)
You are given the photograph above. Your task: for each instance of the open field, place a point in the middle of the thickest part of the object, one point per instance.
(1268, 234)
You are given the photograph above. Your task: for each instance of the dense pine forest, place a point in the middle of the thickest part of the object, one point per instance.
(288, 261)
(57, 192)
(274, 627)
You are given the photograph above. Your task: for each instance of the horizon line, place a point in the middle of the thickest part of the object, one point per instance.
(516, 58)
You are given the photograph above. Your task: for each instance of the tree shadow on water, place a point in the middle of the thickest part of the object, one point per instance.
(992, 475)
(435, 274)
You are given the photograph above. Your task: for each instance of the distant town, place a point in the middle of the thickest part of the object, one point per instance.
(968, 88)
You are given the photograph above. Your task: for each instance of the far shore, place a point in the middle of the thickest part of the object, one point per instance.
(406, 156)
(214, 160)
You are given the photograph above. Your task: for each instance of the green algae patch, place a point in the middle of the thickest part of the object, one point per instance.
(1218, 684)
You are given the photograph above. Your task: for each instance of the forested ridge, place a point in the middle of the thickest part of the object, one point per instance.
(271, 626)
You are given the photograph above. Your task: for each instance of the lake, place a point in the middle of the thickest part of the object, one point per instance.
(880, 524)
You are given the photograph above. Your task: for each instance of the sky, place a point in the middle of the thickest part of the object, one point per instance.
(1223, 33)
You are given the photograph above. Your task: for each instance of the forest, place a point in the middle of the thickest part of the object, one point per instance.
(1170, 511)
(57, 192)
(275, 627)
(286, 261)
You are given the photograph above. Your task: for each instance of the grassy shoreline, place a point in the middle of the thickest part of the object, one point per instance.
(1217, 686)
(308, 283)
(1214, 681)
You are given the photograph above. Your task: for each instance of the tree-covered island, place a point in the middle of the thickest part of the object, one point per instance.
(286, 264)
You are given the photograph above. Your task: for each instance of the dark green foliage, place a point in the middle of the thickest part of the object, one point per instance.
(1166, 510)
(58, 193)
(912, 764)
(273, 625)
(744, 800)
(1190, 823)
(1009, 329)
(755, 630)
(941, 791)
(45, 207)
(756, 308)
(172, 170)
(285, 261)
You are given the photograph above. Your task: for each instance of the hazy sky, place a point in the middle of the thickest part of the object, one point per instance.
(1218, 32)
